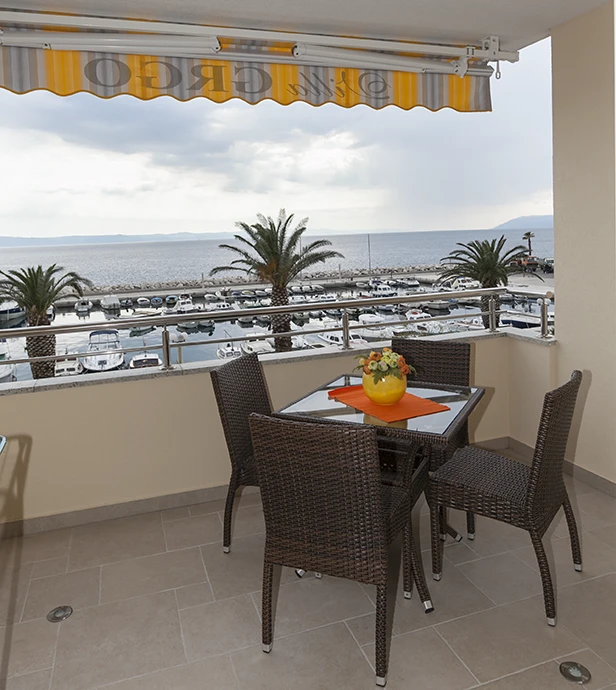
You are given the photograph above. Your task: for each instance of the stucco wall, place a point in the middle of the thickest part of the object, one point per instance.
(585, 228)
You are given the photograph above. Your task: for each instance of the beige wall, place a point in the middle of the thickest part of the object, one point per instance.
(585, 228)
(112, 443)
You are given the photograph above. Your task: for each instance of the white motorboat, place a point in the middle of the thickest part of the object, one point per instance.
(83, 306)
(260, 293)
(112, 303)
(143, 302)
(11, 311)
(336, 338)
(418, 323)
(7, 371)
(70, 366)
(103, 341)
(318, 288)
(374, 328)
(296, 289)
(252, 345)
(145, 360)
(228, 351)
(185, 305)
(206, 324)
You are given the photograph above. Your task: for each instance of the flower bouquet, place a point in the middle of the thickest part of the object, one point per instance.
(384, 376)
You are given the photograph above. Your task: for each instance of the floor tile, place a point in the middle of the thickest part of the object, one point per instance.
(320, 659)
(240, 571)
(216, 674)
(220, 627)
(78, 589)
(175, 514)
(458, 553)
(606, 535)
(492, 537)
(588, 609)
(14, 584)
(597, 559)
(422, 661)
(35, 547)
(575, 487)
(116, 540)
(31, 646)
(314, 602)
(105, 644)
(182, 534)
(600, 506)
(194, 595)
(30, 681)
(585, 522)
(547, 676)
(503, 578)
(454, 596)
(52, 566)
(151, 574)
(248, 521)
(506, 639)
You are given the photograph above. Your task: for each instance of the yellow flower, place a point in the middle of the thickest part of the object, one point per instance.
(373, 365)
(362, 361)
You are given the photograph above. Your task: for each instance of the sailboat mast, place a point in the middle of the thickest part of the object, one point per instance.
(369, 258)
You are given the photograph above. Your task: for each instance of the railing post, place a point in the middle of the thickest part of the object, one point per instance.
(544, 303)
(346, 337)
(166, 349)
(492, 313)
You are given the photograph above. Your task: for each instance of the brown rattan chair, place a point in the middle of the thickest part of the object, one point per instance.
(441, 362)
(240, 389)
(524, 496)
(327, 510)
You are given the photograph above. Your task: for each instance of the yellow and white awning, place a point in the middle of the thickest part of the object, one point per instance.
(67, 59)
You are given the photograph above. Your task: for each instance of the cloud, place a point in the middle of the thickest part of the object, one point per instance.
(87, 165)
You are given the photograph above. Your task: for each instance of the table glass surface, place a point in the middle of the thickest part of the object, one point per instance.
(318, 405)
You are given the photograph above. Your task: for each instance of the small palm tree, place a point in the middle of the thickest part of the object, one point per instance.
(272, 251)
(527, 237)
(35, 290)
(487, 262)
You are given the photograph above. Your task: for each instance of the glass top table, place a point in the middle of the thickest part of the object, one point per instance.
(317, 406)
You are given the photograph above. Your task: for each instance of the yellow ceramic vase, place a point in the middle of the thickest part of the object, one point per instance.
(388, 390)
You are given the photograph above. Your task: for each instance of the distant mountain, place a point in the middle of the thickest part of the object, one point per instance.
(109, 239)
(527, 223)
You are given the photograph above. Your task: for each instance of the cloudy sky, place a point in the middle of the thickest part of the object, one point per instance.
(81, 165)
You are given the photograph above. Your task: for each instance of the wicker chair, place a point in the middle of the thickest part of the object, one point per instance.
(240, 389)
(503, 489)
(326, 510)
(443, 363)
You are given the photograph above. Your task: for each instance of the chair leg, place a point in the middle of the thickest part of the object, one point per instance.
(226, 534)
(416, 568)
(470, 525)
(381, 635)
(266, 614)
(407, 561)
(546, 579)
(435, 539)
(576, 551)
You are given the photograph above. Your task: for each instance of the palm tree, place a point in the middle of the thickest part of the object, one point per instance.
(528, 236)
(35, 290)
(271, 251)
(487, 262)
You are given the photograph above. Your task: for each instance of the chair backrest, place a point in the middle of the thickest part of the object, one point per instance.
(240, 389)
(546, 490)
(321, 491)
(436, 361)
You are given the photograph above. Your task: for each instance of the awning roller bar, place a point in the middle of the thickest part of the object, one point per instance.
(489, 50)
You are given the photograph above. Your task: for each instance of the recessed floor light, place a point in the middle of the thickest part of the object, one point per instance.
(574, 672)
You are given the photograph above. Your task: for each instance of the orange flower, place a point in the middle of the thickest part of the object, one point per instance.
(366, 370)
(404, 370)
(401, 361)
(387, 349)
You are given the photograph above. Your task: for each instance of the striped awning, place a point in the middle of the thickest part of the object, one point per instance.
(66, 72)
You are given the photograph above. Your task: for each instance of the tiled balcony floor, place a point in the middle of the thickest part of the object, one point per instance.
(159, 606)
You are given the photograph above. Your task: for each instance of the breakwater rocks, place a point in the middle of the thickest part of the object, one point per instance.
(333, 277)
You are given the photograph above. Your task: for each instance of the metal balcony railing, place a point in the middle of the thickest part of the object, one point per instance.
(543, 298)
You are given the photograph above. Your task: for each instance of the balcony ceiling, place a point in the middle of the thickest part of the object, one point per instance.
(518, 22)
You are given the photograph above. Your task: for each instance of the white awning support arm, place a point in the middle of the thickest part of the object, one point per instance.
(488, 50)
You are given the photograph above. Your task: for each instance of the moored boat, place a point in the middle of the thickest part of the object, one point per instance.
(104, 352)
(83, 306)
(70, 366)
(145, 360)
(110, 303)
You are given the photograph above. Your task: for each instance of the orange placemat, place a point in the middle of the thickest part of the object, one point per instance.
(410, 406)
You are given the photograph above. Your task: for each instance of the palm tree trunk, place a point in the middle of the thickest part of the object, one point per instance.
(281, 323)
(485, 307)
(42, 346)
